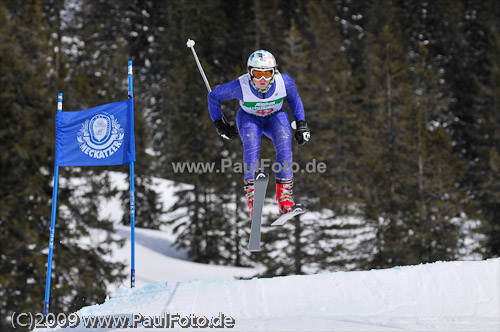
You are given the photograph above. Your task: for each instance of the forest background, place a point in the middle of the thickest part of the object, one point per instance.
(401, 96)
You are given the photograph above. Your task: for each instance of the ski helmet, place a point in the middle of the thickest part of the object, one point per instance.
(262, 60)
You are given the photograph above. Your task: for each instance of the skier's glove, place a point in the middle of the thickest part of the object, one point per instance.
(302, 134)
(225, 130)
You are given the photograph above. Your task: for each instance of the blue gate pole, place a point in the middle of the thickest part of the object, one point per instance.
(52, 224)
(132, 191)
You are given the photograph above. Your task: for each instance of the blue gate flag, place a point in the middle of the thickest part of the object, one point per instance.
(103, 135)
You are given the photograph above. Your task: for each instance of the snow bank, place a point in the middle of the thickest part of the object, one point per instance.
(456, 296)
(157, 260)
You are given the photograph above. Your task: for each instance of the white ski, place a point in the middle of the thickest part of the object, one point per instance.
(296, 210)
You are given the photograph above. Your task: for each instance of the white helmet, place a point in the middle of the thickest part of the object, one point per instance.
(261, 61)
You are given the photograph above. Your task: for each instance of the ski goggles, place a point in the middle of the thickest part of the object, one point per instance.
(266, 74)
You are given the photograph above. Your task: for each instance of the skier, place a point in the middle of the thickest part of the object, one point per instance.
(261, 92)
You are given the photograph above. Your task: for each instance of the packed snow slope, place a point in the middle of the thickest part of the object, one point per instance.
(442, 296)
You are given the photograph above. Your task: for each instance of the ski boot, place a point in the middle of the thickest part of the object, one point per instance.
(284, 193)
(250, 189)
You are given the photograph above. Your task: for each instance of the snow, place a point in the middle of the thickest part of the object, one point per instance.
(442, 296)
(157, 260)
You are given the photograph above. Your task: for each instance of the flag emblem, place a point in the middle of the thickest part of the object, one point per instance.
(100, 127)
(100, 136)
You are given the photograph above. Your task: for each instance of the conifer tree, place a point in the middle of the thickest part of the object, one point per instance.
(438, 170)
(489, 100)
(385, 100)
(79, 274)
(334, 100)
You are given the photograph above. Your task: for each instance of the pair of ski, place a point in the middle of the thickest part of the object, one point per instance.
(260, 186)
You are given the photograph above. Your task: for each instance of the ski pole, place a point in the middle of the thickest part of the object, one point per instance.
(190, 44)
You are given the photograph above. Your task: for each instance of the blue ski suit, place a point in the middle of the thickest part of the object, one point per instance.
(271, 122)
